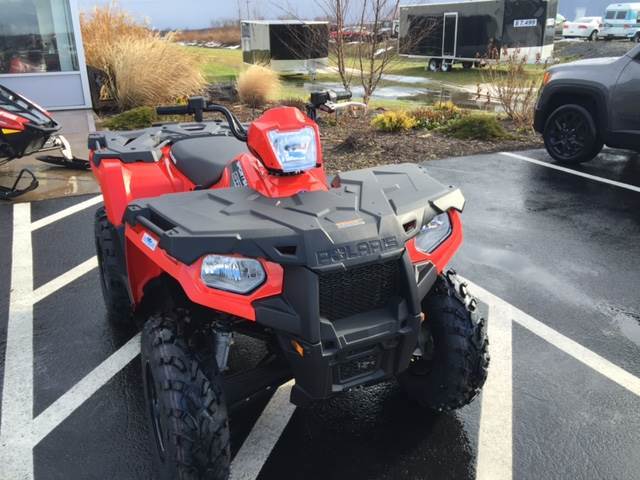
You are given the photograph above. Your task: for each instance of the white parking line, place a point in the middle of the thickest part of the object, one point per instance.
(263, 437)
(495, 442)
(65, 279)
(16, 456)
(78, 207)
(565, 344)
(633, 188)
(64, 406)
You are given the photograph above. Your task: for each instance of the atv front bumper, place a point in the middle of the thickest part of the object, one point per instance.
(329, 355)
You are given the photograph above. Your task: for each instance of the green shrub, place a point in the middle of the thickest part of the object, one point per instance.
(140, 117)
(476, 126)
(437, 115)
(394, 121)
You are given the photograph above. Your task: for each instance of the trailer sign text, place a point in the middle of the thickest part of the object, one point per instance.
(532, 22)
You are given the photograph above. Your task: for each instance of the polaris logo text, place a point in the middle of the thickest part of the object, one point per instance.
(356, 250)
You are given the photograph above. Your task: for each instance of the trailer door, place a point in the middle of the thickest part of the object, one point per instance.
(450, 35)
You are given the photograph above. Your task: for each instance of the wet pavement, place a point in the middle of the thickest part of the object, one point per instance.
(559, 247)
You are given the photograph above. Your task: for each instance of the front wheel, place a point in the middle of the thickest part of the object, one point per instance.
(452, 358)
(434, 65)
(186, 408)
(570, 135)
(594, 36)
(636, 39)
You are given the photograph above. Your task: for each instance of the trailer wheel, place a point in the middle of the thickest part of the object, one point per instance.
(434, 65)
(594, 36)
(446, 66)
(467, 65)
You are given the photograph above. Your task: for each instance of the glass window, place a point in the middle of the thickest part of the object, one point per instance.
(621, 16)
(611, 14)
(36, 36)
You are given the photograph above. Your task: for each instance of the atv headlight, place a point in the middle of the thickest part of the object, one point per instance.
(433, 233)
(296, 151)
(233, 274)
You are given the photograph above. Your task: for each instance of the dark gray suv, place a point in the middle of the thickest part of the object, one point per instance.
(587, 104)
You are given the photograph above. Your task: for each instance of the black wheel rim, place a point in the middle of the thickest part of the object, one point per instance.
(153, 404)
(569, 135)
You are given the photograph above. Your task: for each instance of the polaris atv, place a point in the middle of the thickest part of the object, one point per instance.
(27, 128)
(211, 229)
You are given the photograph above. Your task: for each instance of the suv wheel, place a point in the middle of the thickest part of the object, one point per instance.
(570, 135)
(636, 38)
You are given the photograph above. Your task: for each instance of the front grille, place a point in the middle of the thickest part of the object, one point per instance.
(358, 290)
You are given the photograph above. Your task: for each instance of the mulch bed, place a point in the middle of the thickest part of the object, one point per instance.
(352, 143)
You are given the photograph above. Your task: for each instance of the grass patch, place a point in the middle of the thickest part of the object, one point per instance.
(219, 64)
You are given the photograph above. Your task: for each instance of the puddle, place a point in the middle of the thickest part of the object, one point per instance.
(627, 321)
(429, 92)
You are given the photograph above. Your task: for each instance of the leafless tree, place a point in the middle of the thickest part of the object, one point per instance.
(337, 11)
(376, 51)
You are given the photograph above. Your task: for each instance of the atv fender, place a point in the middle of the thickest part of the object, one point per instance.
(146, 261)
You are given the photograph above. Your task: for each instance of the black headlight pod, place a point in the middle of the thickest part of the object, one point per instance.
(432, 234)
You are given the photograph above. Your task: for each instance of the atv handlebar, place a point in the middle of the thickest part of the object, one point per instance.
(196, 106)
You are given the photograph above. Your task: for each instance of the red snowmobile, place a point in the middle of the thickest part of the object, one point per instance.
(212, 229)
(27, 128)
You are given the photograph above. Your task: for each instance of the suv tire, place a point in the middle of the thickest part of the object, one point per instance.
(570, 135)
(456, 336)
(186, 408)
(112, 274)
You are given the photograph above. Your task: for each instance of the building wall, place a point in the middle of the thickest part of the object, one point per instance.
(41, 54)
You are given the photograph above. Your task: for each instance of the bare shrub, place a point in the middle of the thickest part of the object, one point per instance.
(514, 87)
(141, 67)
(257, 85)
(437, 115)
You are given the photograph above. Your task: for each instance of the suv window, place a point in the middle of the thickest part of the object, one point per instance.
(611, 15)
(621, 16)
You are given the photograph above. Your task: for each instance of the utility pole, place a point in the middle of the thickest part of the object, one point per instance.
(248, 11)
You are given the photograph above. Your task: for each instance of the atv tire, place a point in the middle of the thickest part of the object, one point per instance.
(457, 368)
(114, 290)
(186, 410)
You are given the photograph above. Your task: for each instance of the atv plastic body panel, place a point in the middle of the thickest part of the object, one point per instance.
(344, 279)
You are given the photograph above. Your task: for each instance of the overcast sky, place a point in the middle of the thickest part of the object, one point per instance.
(177, 14)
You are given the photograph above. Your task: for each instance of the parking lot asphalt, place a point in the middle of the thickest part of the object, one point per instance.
(553, 255)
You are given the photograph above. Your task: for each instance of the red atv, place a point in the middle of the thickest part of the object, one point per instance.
(211, 229)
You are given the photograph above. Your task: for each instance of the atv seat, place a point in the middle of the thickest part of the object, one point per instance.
(203, 159)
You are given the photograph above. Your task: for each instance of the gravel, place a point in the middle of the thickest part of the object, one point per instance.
(580, 49)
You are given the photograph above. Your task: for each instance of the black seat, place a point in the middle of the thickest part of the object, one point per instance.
(203, 159)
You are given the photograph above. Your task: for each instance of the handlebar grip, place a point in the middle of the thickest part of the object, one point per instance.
(175, 110)
(343, 95)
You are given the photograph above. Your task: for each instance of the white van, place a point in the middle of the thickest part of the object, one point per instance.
(622, 20)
